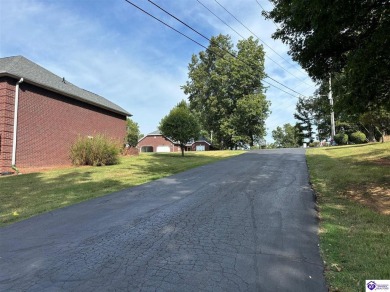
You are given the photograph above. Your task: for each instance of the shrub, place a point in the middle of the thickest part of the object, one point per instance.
(96, 151)
(358, 137)
(341, 138)
(314, 144)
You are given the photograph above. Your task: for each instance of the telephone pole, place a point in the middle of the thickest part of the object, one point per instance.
(332, 125)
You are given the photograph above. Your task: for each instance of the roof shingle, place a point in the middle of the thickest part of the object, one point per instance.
(20, 67)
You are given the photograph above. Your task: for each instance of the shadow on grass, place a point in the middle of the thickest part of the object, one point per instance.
(352, 234)
(27, 195)
(32, 194)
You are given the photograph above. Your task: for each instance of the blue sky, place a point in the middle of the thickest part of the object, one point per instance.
(120, 53)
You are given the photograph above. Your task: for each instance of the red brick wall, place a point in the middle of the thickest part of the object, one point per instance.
(206, 146)
(157, 140)
(48, 123)
(7, 96)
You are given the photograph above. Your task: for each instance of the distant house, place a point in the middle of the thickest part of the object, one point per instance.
(156, 142)
(42, 114)
(200, 144)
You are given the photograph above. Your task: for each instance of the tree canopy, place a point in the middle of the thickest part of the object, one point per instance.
(180, 125)
(132, 132)
(305, 116)
(287, 137)
(225, 89)
(349, 37)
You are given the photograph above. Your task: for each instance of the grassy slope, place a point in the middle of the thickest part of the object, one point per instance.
(354, 239)
(26, 195)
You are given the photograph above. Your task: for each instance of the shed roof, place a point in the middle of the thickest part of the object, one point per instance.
(20, 67)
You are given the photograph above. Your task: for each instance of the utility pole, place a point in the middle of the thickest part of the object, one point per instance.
(333, 129)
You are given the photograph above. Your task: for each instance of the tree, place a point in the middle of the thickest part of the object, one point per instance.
(219, 78)
(287, 137)
(180, 125)
(348, 37)
(305, 116)
(376, 121)
(249, 117)
(132, 133)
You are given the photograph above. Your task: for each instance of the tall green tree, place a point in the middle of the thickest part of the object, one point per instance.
(350, 37)
(218, 79)
(249, 117)
(305, 116)
(180, 125)
(132, 132)
(287, 137)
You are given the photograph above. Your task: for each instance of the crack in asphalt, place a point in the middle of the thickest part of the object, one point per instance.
(242, 224)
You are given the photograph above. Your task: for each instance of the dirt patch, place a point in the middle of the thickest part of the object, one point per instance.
(373, 196)
(382, 162)
(26, 170)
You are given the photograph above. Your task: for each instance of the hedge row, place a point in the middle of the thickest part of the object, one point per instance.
(355, 138)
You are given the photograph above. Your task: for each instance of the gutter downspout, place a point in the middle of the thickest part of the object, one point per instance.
(15, 124)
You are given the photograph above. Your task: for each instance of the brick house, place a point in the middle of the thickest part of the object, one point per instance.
(156, 142)
(199, 145)
(42, 114)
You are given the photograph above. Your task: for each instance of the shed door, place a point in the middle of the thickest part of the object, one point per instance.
(200, 148)
(163, 149)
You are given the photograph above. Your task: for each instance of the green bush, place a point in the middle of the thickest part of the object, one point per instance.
(314, 144)
(97, 151)
(358, 137)
(341, 138)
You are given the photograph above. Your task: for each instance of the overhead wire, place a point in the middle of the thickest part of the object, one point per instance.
(239, 21)
(310, 86)
(191, 39)
(261, 6)
(221, 19)
(208, 39)
(159, 20)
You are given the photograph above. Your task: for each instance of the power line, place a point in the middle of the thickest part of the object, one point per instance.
(262, 42)
(256, 36)
(261, 6)
(159, 20)
(280, 88)
(231, 14)
(220, 19)
(147, 13)
(310, 86)
(182, 22)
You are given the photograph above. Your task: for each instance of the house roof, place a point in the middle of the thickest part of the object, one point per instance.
(20, 67)
(200, 139)
(155, 133)
(158, 133)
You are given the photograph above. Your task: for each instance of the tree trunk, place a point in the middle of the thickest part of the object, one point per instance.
(371, 133)
(182, 150)
(252, 143)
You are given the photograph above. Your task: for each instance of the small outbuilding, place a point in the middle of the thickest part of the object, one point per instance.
(42, 114)
(200, 144)
(157, 142)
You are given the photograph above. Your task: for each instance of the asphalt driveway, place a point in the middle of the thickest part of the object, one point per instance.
(243, 224)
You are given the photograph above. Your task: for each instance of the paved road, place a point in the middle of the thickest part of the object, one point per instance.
(242, 224)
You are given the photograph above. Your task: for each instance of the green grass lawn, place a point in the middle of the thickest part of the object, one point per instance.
(353, 192)
(27, 195)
